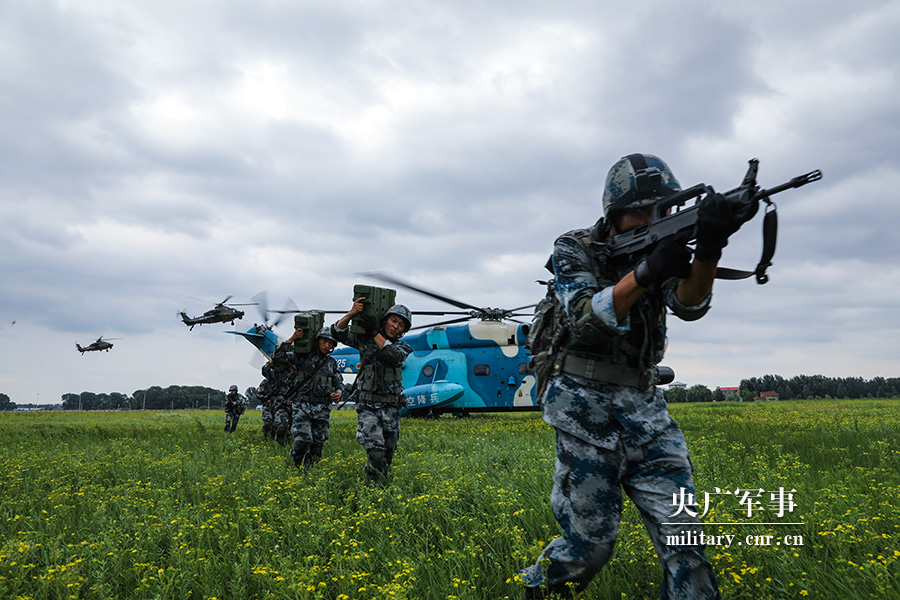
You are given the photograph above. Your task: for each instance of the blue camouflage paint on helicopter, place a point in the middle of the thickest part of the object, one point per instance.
(476, 367)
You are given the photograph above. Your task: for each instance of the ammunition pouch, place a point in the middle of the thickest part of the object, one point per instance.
(605, 372)
(380, 384)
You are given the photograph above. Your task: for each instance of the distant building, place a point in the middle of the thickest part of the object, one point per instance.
(766, 397)
(731, 393)
(677, 384)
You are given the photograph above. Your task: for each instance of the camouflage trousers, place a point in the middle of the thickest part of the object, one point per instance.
(268, 419)
(311, 423)
(378, 427)
(281, 423)
(587, 502)
(231, 420)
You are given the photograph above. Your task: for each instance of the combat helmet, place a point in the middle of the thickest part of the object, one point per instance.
(402, 312)
(325, 333)
(233, 388)
(635, 181)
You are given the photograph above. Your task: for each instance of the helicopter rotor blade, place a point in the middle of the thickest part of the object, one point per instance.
(227, 298)
(460, 320)
(257, 360)
(521, 307)
(289, 307)
(403, 284)
(329, 312)
(262, 301)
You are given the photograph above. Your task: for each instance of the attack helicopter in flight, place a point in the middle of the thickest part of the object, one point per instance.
(220, 313)
(100, 344)
(455, 367)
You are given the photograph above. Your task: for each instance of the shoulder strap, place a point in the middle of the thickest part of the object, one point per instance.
(299, 386)
(770, 233)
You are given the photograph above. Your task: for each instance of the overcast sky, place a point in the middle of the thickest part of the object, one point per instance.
(153, 153)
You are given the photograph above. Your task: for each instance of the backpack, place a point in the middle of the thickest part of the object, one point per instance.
(549, 333)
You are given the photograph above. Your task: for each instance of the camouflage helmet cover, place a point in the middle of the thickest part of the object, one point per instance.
(402, 312)
(635, 181)
(233, 388)
(325, 333)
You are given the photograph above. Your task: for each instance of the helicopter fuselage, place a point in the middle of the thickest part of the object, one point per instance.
(217, 315)
(94, 347)
(477, 367)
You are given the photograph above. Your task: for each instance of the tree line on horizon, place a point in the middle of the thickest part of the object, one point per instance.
(799, 387)
(174, 397)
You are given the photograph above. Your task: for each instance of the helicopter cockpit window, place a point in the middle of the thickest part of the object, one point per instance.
(428, 371)
(482, 369)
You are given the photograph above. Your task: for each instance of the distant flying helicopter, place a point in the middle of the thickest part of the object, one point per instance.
(221, 313)
(100, 344)
(454, 367)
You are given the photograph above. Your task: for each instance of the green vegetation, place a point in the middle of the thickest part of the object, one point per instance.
(166, 505)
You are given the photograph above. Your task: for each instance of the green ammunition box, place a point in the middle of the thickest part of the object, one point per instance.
(311, 322)
(377, 302)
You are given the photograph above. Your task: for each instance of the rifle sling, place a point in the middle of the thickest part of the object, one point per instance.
(770, 233)
(295, 389)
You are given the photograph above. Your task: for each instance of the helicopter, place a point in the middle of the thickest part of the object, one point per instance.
(262, 335)
(221, 313)
(455, 367)
(100, 344)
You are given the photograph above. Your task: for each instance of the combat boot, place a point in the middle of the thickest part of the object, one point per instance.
(375, 469)
(314, 455)
(299, 452)
(389, 458)
(553, 592)
(282, 436)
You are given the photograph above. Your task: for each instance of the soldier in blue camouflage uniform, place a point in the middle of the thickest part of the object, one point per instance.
(321, 384)
(235, 404)
(281, 372)
(613, 429)
(379, 384)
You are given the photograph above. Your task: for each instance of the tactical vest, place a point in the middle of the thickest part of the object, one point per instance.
(585, 348)
(320, 384)
(379, 382)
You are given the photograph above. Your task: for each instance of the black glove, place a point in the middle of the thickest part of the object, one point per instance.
(668, 259)
(367, 322)
(717, 219)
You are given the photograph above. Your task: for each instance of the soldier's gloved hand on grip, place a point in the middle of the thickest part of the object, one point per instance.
(668, 259)
(367, 322)
(717, 219)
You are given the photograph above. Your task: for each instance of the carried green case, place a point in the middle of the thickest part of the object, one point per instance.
(311, 322)
(377, 302)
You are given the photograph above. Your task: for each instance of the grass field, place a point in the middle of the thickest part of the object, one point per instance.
(166, 505)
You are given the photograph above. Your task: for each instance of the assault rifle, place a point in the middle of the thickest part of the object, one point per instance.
(675, 216)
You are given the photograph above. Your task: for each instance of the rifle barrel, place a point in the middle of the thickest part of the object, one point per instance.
(796, 182)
